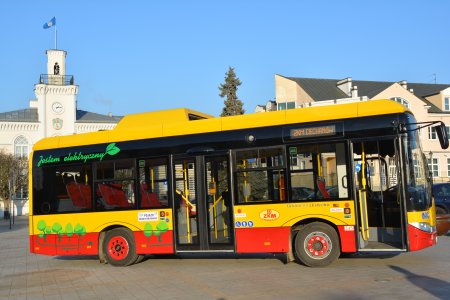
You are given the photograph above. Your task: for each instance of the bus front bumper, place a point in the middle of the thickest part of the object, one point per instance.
(420, 239)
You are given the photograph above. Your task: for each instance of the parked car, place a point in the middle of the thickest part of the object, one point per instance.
(301, 193)
(441, 193)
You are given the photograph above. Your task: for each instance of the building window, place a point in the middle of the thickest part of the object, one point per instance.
(401, 101)
(447, 104)
(433, 165)
(285, 105)
(448, 167)
(21, 146)
(432, 133)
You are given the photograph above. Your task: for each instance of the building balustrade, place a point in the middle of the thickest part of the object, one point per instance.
(56, 79)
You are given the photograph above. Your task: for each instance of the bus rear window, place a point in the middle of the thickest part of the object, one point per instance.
(62, 189)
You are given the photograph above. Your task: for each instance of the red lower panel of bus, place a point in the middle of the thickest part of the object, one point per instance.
(87, 244)
(348, 238)
(251, 240)
(419, 239)
(54, 244)
(161, 244)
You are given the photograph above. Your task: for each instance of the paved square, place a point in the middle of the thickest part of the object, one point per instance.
(416, 275)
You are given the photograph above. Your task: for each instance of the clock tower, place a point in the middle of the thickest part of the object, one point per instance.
(56, 97)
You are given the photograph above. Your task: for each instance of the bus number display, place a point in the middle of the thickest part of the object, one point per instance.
(298, 133)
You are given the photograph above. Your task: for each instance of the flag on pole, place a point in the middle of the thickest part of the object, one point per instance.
(50, 23)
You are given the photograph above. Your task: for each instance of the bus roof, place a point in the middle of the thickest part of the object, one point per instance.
(184, 121)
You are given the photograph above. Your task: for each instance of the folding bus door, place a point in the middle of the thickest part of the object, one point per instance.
(381, 215)
(203, 212)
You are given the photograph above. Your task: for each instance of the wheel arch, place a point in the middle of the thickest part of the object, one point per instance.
(297, 226)
(102, 236)
(309, 255)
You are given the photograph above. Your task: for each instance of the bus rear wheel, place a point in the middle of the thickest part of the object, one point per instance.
(119, 247)
(316, 245)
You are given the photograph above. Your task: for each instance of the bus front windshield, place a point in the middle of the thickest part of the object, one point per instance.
(418, 192)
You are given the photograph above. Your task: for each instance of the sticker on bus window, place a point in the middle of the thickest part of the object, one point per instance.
(240, 215)
(147, 216)
(349, 228)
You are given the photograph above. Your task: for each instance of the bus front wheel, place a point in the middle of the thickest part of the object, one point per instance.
(119, 247)
(316, 245)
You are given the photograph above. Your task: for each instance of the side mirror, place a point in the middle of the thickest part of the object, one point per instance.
(441, 132)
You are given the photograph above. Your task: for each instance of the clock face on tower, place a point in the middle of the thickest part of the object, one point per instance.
(57, 108)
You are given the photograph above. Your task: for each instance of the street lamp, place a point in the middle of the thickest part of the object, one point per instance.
(11, 187)
(430, 165)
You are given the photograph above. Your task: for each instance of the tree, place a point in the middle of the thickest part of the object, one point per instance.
(13, 174)
(233, 106)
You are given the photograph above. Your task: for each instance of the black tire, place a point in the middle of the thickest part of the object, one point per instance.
(140, 258)
(440, 210)
(119, 247)
(316, 245)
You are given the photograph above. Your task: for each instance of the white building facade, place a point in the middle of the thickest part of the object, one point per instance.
(54, 112)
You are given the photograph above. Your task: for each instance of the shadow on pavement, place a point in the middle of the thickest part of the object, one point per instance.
(374, 255)
(20, 222)
(434, 286)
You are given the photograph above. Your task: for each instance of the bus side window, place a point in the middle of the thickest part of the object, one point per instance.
(318, 172)
(260, 175)
(115, 185)
(302, 175)
(153, 189)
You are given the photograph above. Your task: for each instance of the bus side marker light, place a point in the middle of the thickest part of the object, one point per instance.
(267, 243)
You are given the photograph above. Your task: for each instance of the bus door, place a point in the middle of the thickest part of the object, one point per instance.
(202, 208)
(381, 213)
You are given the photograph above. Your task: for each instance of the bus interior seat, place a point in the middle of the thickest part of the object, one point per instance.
(148, 199)
(113, 195)
(322, 189)
(86, 193)
(80, 194)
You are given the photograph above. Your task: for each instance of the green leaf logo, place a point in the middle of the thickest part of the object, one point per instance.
(148, 230)
(69, 230)
(41, 225)
(111, 149)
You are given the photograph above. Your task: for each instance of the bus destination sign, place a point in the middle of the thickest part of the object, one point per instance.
(307, 132)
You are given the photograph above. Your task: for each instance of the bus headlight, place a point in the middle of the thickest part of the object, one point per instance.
(424, 226)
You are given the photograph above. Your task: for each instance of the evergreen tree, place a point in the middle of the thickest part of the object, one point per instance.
(233, 106)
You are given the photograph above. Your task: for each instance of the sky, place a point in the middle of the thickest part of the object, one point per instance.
(135, 56)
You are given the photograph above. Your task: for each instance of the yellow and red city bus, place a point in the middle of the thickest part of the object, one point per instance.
(311, 183)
